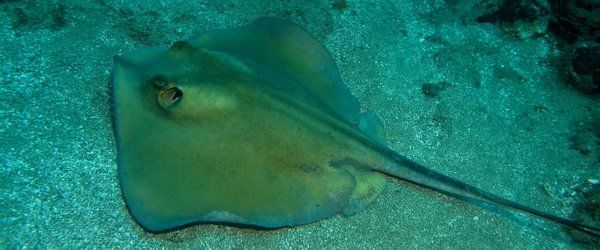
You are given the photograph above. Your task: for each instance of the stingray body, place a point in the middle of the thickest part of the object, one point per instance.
(253, 126)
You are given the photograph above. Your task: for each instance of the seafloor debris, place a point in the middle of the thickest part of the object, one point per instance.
(433, 90)
(587, 207)
(584, 70)
(575, 20)
(37, 15)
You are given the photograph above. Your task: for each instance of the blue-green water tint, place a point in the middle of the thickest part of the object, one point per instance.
(504, 124)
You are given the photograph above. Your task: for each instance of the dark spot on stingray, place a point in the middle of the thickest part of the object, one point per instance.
(310, 168)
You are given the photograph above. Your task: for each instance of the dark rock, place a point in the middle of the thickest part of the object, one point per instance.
(575, 20)
(587, 60)
(564, 29)
(511, 11)
(584, 70)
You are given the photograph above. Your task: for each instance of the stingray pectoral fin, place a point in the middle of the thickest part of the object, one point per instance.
(296, 63)
(410, 171)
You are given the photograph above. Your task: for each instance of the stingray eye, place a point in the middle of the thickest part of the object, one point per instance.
(159, 81)
(169, 97)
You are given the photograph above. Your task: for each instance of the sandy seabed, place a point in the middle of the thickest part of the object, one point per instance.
(503, 120)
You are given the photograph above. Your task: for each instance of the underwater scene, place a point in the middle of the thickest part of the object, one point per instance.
(327, 124)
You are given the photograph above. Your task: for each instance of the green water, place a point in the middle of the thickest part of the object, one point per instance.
(500, 116)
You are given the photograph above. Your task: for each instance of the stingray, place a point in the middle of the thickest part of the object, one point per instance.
(253, 126)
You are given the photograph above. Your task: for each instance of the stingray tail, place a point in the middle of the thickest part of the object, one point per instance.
(410, 171)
